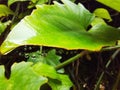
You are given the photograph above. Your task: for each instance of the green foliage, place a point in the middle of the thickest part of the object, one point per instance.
(49, 58)
(97, 21)
(64, 27)
(5, 11)
(37, 2)
(24, 76)
(115, 4)
(3, 26)
(102, 13)
(10, 2)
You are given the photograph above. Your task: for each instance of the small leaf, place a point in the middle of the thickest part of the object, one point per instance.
(3, 26)
(114, 4)
(102, 13)
(65, 83)
(49, 58)
(5, 11)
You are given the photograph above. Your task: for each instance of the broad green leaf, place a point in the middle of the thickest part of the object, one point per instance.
(60, 25)
(107, 34)
(114, 4)
(5, 11)
(23, 77)
(10, 2)
(102, 13)
(65, 83)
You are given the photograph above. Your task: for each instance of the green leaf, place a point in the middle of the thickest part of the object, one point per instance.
(114, 4)
(55, 80)
(39, 1)
(45, 70)
(102, 13)
(97, 21)
(5, 11)
(22, 77)
(60, 25)
(3, 26)
(49, 58)
(4, 83)
(52, 58)
(65, 83)
(10, 2)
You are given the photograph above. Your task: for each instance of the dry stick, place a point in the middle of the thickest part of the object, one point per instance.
(59, 66)
(106, 66)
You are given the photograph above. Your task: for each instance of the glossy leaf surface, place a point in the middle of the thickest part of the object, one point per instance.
(63, 26)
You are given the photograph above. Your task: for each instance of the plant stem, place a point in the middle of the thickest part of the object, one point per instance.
(106, 66)
(41, 50)
(66, 62)
(110, 48)
(49, 2)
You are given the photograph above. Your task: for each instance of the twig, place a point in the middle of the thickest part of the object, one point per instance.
(111, 48)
